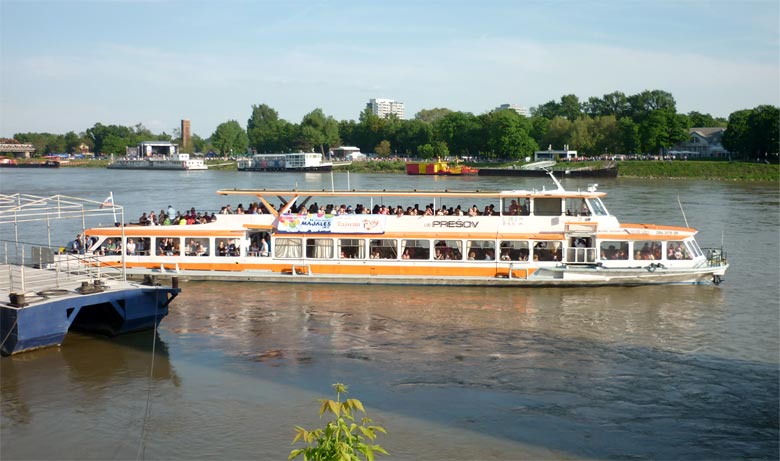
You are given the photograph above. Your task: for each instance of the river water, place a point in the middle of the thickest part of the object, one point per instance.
(674, 372)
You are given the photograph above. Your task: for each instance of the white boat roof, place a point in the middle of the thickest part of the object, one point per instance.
(413, 193)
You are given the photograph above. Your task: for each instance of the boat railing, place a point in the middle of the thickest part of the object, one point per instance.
(581, 255)
(27, 267)
(716, 257)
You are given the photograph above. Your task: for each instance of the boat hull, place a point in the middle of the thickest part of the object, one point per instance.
(506, 275)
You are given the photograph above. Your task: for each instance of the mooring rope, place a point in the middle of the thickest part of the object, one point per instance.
(151, 381)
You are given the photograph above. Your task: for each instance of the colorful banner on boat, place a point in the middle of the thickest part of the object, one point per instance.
(331, 224)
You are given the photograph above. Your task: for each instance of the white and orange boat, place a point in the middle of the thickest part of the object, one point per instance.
(521, 238)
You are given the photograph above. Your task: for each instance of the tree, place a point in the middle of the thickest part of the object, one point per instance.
(558, 133)
(230, 138)
(431, 115)
(426, 151)
(411, 134)
(763, 127)
(266, 131)
(461, 131)
(383, 148)
(319, 130)
(570, 107)
(506, 134)
(628, 136)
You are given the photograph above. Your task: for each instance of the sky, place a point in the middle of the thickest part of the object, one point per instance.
(66, 65)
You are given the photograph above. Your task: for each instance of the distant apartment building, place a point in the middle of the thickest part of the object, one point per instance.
(515, 107)
(385, 107)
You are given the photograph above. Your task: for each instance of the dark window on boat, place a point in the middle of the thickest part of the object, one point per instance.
(167, 246)
(383, 249)
(197, 247)
(319, 248)
(351, 248)
(513, 250)
(677, 251)
(577, 206)
(481, 250)
(651, 250)
(547, 250)
(415, 249)
(547, 206)
(227, 247)
(142, 245)
(520, 206)
(448, 250)
(609, 249)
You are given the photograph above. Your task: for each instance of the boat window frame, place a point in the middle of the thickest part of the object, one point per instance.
(359, 245)
(541, 252)
(386, 251)
(293, 245)
(315, 245)
(480, 250)
(421, 249)
(547, 208)
(618, 244)
(515, 249)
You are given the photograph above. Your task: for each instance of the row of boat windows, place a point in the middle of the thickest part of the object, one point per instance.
(579, 250)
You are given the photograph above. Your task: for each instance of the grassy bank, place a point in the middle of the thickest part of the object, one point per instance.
(725, 171)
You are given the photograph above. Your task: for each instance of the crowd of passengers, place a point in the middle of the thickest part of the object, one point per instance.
(171, 216)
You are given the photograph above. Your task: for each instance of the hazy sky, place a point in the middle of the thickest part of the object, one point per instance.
(66, 65)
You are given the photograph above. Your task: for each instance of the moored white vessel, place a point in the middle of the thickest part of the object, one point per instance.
(513, 238)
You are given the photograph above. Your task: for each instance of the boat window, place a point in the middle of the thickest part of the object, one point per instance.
(110, 246)
(137, 246)
(197, 247)
(677, 250)
(481, 250)
(319, 248)
(547, 250)
(448, 250)
(415, 249)
(598, 207)
(285, 247)
(577, 206)
(351, 249)
(694, 247)
(227, 247)
(647, 251)
(167, 246)
(610, 249)
(383, 249)
(513, 250)
(548, 206)
(520, 206)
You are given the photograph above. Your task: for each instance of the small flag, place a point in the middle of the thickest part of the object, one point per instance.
(108, 202)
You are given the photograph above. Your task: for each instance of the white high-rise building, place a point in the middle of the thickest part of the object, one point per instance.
(515, 107)
(385, 107)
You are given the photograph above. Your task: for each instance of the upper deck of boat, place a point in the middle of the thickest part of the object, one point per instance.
(561, 193)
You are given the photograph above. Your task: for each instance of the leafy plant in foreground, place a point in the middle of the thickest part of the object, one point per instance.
(342, 438)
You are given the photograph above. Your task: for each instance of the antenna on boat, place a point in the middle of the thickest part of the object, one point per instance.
(555, 180)
(682, 211)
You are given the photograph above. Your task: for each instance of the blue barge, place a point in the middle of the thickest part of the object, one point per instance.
(41, 319)
(47, 290)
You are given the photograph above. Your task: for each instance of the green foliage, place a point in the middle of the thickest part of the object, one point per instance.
(229, 138)
(342, 438)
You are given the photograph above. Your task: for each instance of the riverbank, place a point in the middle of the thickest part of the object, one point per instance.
(692, 169)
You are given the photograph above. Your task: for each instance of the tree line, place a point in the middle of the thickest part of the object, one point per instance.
(644, 123)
